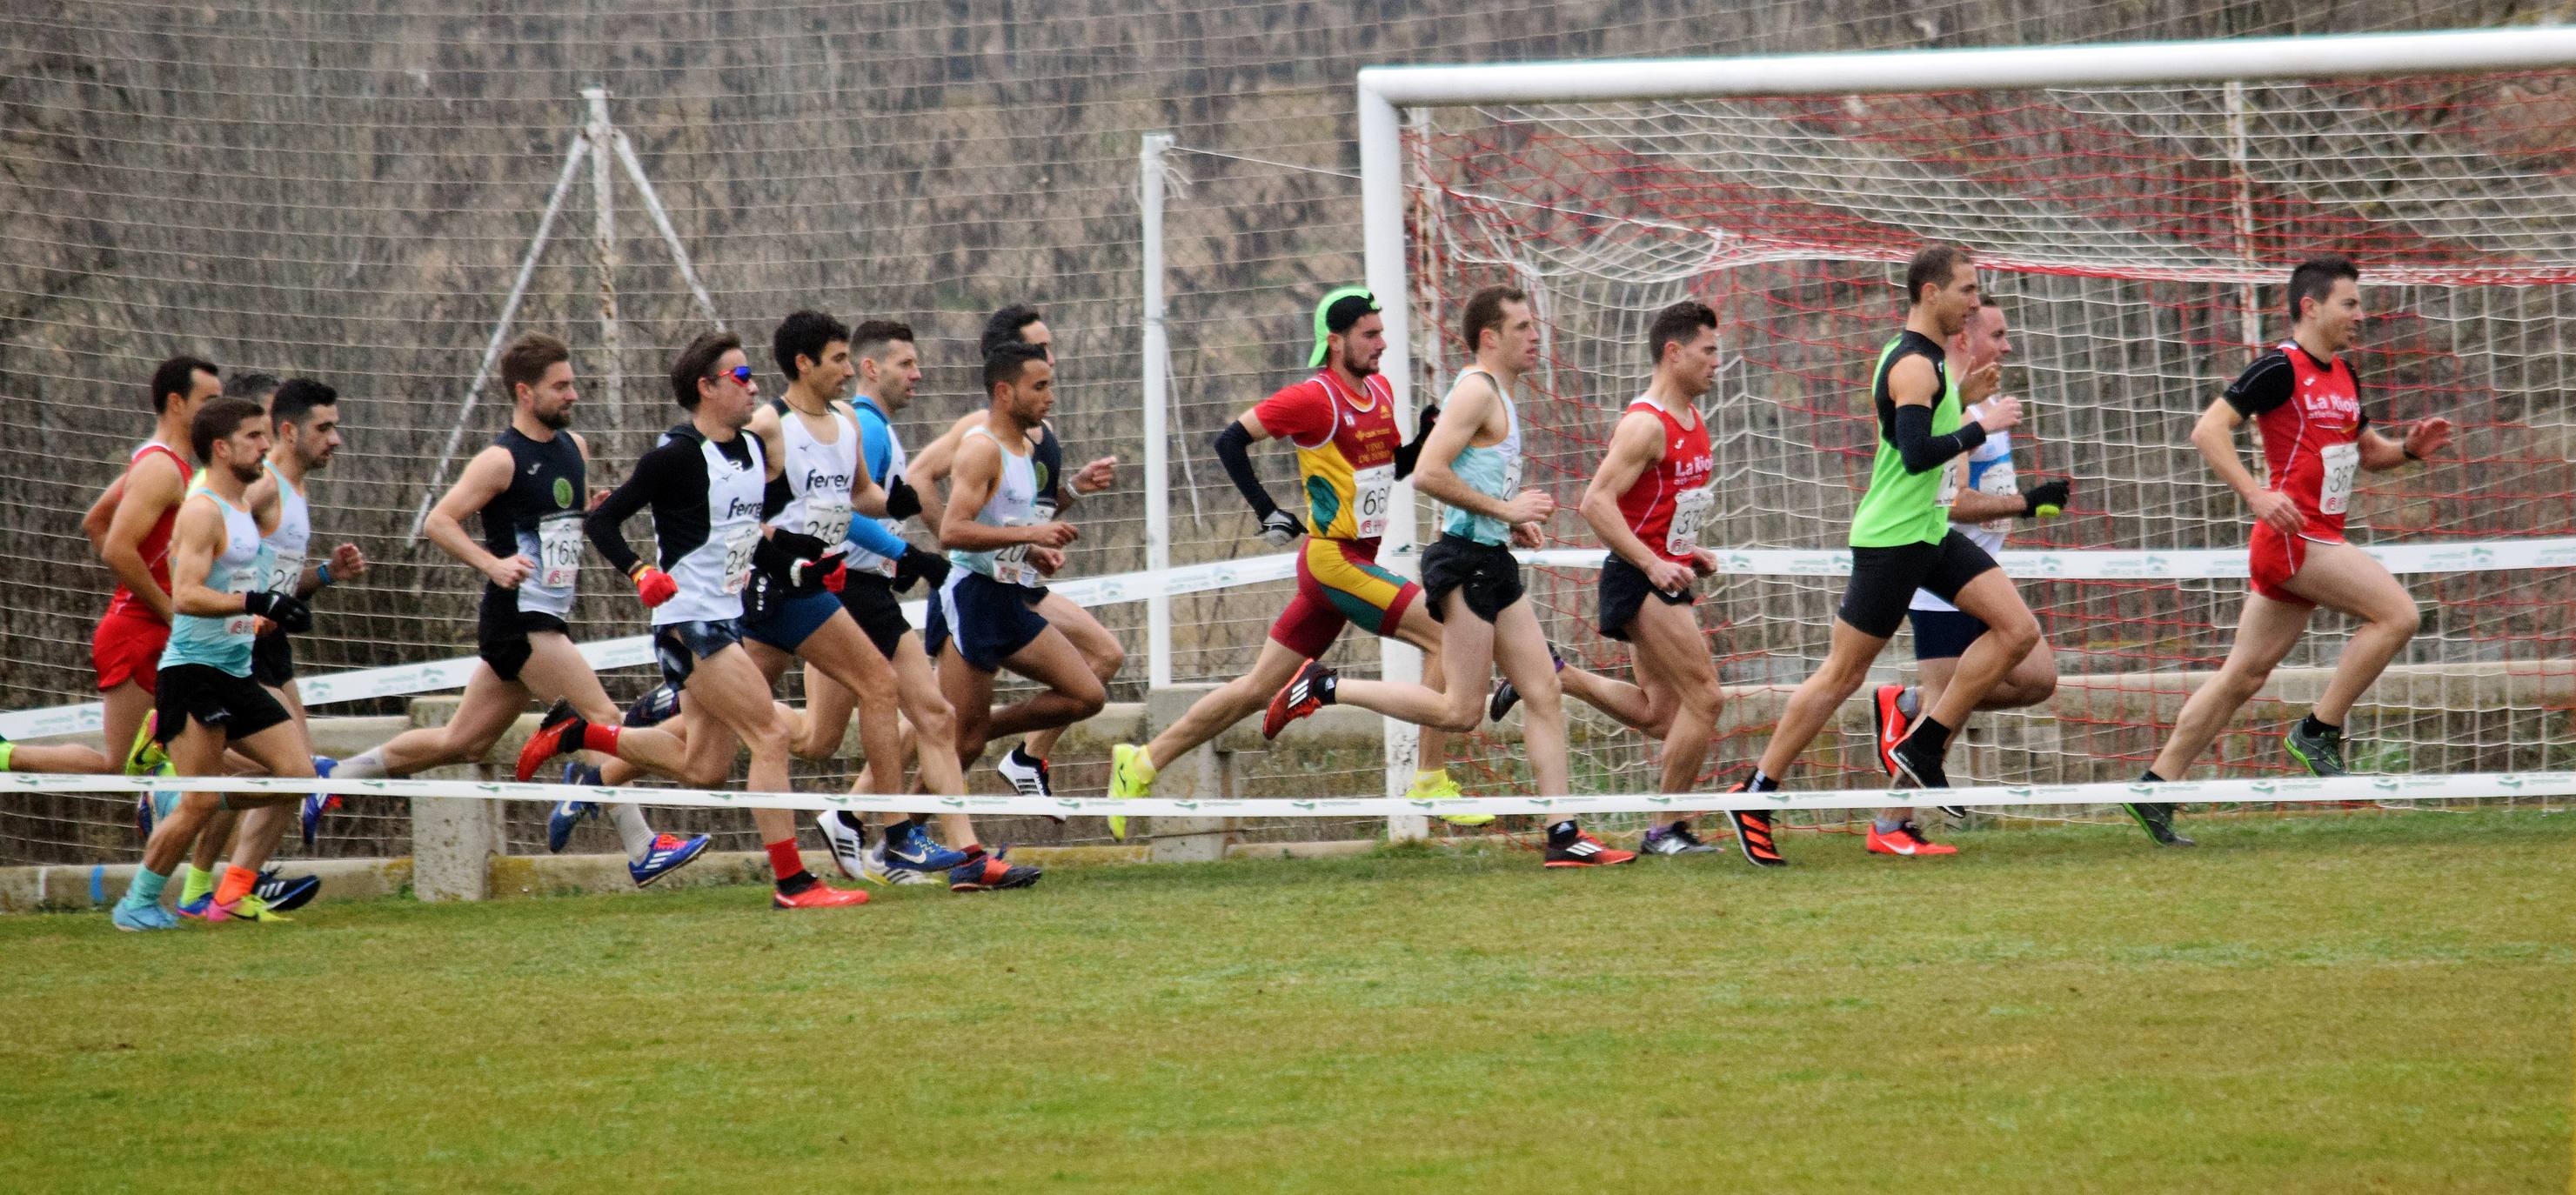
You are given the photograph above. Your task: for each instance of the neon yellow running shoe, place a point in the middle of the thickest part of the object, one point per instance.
(145, 756)
(1441, 786)
(248, 908)
(1131, 776)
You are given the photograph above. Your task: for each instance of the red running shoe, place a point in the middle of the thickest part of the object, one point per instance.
(548, 742)
(1892, 724)
(1310, 690)
(1906, 840)
(1753, 832)
(1587, 851)
(817, 895)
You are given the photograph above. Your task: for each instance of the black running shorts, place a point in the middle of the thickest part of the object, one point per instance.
(1487, 574)
(1883, 580)
(1623, 593)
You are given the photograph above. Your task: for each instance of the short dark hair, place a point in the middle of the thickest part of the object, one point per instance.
(178, 376)
(296, 399)
(804, 334)
(1681, 321)
(218, 420)
(2315, 279)
(1347, 311)
(1485, 310)
(528, 358)
(1932, 265)
(1007, 362)
(872, 336)
(697, 362)
(253, 386)
(1003, 327)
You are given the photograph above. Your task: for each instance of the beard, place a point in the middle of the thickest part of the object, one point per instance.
(251, 472)
(558, 419)
(1357, 366)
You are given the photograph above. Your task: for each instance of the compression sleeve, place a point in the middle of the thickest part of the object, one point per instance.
(1233, 449)
(776, 496)
(657, 473)
(872, 535)
(1923, 451)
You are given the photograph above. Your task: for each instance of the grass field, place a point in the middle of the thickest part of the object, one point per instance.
(2367, 1003)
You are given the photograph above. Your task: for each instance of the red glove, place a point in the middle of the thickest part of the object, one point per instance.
(836, 571)
(654, 586)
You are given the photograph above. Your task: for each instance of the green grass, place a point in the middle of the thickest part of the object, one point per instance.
(2329, 1004)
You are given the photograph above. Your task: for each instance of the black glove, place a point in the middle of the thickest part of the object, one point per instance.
(290, 614)
(1407, 454)
(902, 502)
(1280, 528)
(762, 594)
(2053, 493)
(917, 565)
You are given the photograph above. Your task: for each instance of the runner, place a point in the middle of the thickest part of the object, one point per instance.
(984, 618)
(130, 526)
(1025, 764)
(706, 483)
(2307, 401)
(1901, 541)
(527, 487)
(205, 698)
(1471, 582)
(1987, 500)
(1342, 424)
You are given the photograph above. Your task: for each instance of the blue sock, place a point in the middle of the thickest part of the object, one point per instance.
(146, 888)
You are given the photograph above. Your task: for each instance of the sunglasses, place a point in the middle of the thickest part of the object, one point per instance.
(739, 373)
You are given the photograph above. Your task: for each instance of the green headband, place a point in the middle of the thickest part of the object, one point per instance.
(1323, 312)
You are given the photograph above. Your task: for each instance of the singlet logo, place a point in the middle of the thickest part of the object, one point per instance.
(563, 492)
(739, 509)
(815, 478)
(1041, 471)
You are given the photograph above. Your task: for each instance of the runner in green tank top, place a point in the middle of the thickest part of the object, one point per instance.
(1901, 540)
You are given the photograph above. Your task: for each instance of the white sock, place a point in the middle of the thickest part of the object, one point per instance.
(369, 765)
(632, 827)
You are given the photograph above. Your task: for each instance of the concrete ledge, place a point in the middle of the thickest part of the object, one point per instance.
(75, 889)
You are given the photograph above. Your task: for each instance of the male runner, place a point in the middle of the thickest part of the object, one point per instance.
(1901, 541)
(2316, 437)
(707, 484)
(1471, 582)
(1987, 499)
(1342, 424)
(1025, 765)
(130, 526)
(205, 698)
(1002, 546)
(889, 369)
(528, 489)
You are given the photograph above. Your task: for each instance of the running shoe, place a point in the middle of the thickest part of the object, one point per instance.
(658, 705)
(818, 895)
(2156, 818)
(669, 853)
(141, 918)
(910, 845)
(1913, 767)
(560, 822)
(874, 869)
(1131, 777)
(1310, 690)
(848, 844)
(249, 908)
(195, 910)
(586, 775)
(286, 893)
(1753, 832)
(310, 810)
(548, 741)
(991, 873)
(1586, 851)
(1505, 696)
(1887, 705)
(1027, 773)
(1444, 787)
(1674, 838)
(2320, 753)
(151, 807)
(1907, 840)
(144, 756)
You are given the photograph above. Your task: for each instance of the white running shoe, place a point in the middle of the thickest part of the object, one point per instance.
(873, 868)
(849, 846)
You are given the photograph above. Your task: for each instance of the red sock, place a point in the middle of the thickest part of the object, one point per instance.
(785, 860)
(237, 884)
(602, 739)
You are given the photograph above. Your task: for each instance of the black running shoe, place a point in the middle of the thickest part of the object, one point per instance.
(285, 894)
(1916, 768)
(658, 705)
(2156, 818)
(1505, 696)
(1753, 833)
(2321, 753)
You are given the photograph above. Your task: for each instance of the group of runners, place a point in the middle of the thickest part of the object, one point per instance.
(778, 540)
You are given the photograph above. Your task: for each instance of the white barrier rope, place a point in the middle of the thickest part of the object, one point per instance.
(2188, 564)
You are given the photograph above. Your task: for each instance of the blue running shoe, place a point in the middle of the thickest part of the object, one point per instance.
(140, 918)
(309, 814)
(582, 774)
(559, 824)
(669, 853)
(286, 894)
(195, 910)
(657, 706)
(910, 846)
(989, 873)
(151, 807)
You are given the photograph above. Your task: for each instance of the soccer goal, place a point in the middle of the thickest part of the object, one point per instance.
(2135, 210)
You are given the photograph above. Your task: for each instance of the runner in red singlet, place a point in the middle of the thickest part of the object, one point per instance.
(130, 526)
(2316, 439)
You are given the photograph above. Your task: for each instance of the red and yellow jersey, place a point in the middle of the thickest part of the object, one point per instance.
(1345, 443)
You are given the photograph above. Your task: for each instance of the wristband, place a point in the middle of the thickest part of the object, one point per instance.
(322, 572)
(2410, 454)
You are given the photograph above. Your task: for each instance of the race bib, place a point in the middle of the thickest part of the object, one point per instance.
(1681, 538)
(737, 557)
(285, 575)
(1953, 476)
(827, 518)
(1011, 562)
(1374, 492)
(1041, 511)
(244, 581)
(2342, 461)
(1998, 481)
(558, 551)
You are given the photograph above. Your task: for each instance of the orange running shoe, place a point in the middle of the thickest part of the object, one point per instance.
(1906, 840)
(1587, 851)
(1753, 832)
(817, 895)
(1892, 724)
(1310, 690)
(548, 741)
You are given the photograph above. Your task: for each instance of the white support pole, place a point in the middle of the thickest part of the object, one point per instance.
(603, 239)
(573, 156)
(2535, 47)
(1156, 374)
(662, 222)
(1382, 223)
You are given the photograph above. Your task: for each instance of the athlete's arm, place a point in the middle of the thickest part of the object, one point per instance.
(1233, 447)
(101, 513)
(665, 470)
(2379, 453)
(1471, 405)
(773, 440)
(193, 541)
(1912, 385)
(869, 498)
(346, 562)
(1635, 445)
(936, 464)
(978, 471)
(2215, 435)
(485, 478)
(152, 487)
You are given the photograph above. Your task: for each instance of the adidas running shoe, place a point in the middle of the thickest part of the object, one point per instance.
(1586, 851)
(669, 853)
(286, 893)
(658, 705)
(991, 873)
(848, 843)
(1753, 832)
(1674, 838)
(1026, 773)
(1310, 690)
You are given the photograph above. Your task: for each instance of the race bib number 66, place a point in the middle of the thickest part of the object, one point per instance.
(1375, 491)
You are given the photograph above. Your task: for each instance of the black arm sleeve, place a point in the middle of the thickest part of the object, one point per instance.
(1923, 451)
(776, 497)
(2264, 385)
(658, 473)
(1233, 447)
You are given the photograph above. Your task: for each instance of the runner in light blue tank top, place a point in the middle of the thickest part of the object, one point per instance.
(224, 642)
(1493, 470)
